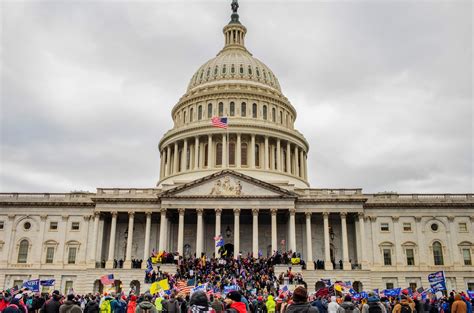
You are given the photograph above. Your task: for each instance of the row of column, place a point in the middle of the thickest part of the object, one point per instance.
(171, 166)
(218, 213)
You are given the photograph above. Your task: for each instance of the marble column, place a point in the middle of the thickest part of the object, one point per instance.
(196, 152)
(297, 163)
(236, 233)
(274, 230)
(302, 169)
(113, 228)
(163, 222)
(288, 157)
(362, 258)
(224, 151)
(265, 155)
(309, 243)
(218, 213)
(181, 212)
(210, 158)
(255, 233)
(292, 241)
(162, 163)
(168, 160)
(346, 265)
(252, 151)
(184, 156)
(278, 153)
(238, 160)
(176, 159)
(327, 251)
(199, 233)
(146, 250)
(95, 239)
(128, 252)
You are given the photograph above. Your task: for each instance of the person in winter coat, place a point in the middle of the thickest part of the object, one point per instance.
(333, 306)
(270, 304)
(159, 304)
(146, 305)
(216, 304)
(132, 304)
(348, 306)
(300, 302)
(233, 302)
(404, 306)
(70, 306)
(3, 302)
(374, 305)
(13, 306)
(92, 306)
(172, 305)
(459, 306)
(199, 304)
(53, 304)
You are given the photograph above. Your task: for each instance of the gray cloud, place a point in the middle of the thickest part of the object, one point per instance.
(383, 89)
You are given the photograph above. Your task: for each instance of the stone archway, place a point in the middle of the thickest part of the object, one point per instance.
(135, 287)
(319, 285)
(98, 287)
(358, 286)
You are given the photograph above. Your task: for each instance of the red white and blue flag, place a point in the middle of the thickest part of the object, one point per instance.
(107, 279)
(220, 122)
(219, 241)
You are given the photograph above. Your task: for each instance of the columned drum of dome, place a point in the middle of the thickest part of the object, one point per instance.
(260, 141)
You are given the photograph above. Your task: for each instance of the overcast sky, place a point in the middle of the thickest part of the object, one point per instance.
(383, 89)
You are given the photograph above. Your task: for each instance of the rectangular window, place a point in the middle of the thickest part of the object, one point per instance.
(75, 226)
(49, 255)
(53, 226)
(209, 110)
(463, 227)
(406, 226)
(389, 286)
(68, 286)
(410, 257)
(466, 254)
(470, 286)
(2, 225)
(384, 227)
(387, 257)
(71, 258)
(18, 283)
(232, 109)
(243, 109)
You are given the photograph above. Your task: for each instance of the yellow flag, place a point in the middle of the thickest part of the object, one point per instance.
(164, 284)
(338, 288)
(155, 287)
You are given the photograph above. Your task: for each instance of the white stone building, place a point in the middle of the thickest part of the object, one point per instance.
(248, 183)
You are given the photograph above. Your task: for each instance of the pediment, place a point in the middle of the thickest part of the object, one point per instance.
(228, 183)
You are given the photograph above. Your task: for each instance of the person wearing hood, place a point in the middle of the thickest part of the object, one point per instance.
(459, 306)
(348, 306)
(270, 304)
(146, 305)
(92, 306)
(374, 305)
(132, 304)
(70, 306)
(234, 303)
(333, 306)
(172, 305)
(404, 305)
(199, 303)
(53, 304)
(300, 302)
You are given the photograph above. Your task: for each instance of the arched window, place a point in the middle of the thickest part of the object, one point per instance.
(241, 69)
(191, 113)
(219, 153)
(184, 117)
(200, 112)
(250, 70)
(257, 155)
(264, 112)
(223, 69)
(206, 155)
(221, 109)
(243, 154)
(23, 251)
(273, 115)
(243, 109)
(209, 110)
(232, 69)
(232, 109)
(254, 110)
(281, 117)
(231, 153)
(438, 253)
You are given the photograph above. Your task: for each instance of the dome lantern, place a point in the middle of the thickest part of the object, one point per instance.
(234, 32)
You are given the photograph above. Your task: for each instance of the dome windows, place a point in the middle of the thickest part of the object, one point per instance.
(191, 115)
(232, 69)
(232, 109)
(241, 69)
(254, 110)
(200, 112)
(215, 70)
(258, 72)
(265, 112)
(250, 70)
(221, 109)
(223, 69)
(243, 109)
(273, 115)
(209, 110)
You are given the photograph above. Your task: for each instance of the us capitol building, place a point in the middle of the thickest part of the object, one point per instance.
(248, 183)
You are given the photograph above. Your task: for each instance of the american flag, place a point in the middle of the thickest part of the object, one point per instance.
(220, 122)
(107, 279)
(183, 288)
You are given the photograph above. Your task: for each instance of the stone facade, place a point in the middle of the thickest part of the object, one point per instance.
(249, 184)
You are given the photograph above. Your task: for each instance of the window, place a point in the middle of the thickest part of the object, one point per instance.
(466, 254)
(232, 69)
(264, 112)
(191, 113)
(243, 109)
(18, 283)
(75, 226)
(250, 70)
(410, 256)
(209, 110)
(387, 257)
(470, 286)
(49, 255)
(231, 153)
(434, 227)
(53, 226)
(257, 155)
(232, 109)
(219, 153)
(413, 286)
(188, 158)
(243, 154)
(27, 226)
(200, 112)
(254, 110)
(223, 69)
(384, 227)
(2, 225)
(241, 69)
(273, 115)
(406, 226)
(23, 251)
(206, 154)
(221, 109)
(68, 286)
(438, 253)
(281, 117)
(389, 286)
(184, 117)
(463, 227)
(71, 257)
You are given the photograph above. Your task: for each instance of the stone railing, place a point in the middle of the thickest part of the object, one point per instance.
(73, 196)
(127, 192)
(329, 192)
(394, 197)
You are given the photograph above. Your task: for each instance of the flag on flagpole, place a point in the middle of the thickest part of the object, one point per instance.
(107, 279)
(220, 122)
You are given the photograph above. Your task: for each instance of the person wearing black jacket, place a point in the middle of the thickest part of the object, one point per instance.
(53, 304)
(92, 306)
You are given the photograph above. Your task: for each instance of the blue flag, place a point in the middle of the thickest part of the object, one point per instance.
(48, 282)
(32, 285)
(149, 266)
(364, 295)
(220, 243)
(437, 281)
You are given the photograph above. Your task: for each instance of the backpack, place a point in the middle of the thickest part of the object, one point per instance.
(105, 307)
(261, 307)
(405, 308)
(374, 307)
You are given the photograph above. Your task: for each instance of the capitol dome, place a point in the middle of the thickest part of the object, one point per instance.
(260, 140)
